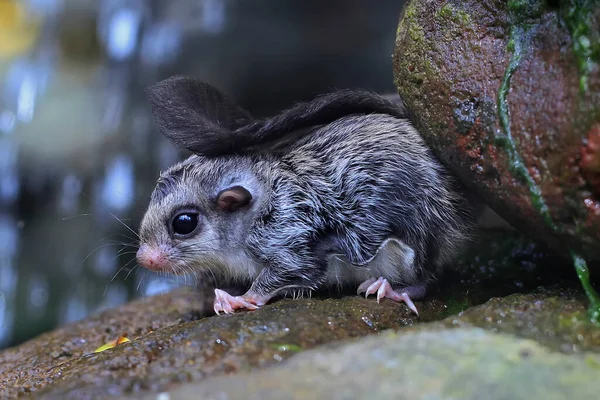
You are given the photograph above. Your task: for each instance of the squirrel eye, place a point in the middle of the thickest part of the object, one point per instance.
(185, 223)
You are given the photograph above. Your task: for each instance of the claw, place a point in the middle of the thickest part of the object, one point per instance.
(373, 287)
(383, 289)
(363, 286)
(385, 286)
(409, 303)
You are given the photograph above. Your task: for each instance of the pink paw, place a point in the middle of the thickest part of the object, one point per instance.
(224, 302)
(383, 289)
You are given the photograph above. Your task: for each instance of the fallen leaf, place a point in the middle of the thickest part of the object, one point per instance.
(112, 343)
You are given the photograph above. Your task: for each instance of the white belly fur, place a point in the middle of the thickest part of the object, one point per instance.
(394, 261)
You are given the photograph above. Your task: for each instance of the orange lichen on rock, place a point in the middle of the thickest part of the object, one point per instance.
(590, 153)
(590, 158)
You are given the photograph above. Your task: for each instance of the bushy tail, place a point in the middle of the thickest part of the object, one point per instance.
(198, 117)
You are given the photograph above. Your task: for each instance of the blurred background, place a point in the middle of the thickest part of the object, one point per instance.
(79, 152)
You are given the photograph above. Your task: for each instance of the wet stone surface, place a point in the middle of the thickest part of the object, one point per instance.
(510, 285)
(555, 317)
(426, 363)
(225, 344)
(190, 352)
(30, 366)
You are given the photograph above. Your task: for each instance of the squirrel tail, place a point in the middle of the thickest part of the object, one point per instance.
(200, 118)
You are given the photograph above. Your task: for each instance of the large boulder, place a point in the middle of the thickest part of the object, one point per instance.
(182, 353)
(426, 364)
(507, 93)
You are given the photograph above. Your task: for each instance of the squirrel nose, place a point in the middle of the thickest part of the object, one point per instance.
(152, 258)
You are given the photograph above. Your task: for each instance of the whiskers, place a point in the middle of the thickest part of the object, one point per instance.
(187, 271)
(130, 229)
(127, 244)
(189, 262)
(127, 249)
(206, 260)
(123, 268)
(122, 243)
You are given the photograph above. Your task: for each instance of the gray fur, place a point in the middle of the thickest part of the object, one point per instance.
(356, 197)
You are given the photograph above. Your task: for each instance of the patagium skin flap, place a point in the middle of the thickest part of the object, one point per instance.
(340, 190)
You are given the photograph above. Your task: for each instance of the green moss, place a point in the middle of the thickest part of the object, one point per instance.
(586, 41)
(413, 67)
(520, 35)
(519, 39)
(294, 348)
(455, 306)
(449, 12)
(592, 362)
(516, 6)
(584, 276)
(527, 9)
(415, 31)
(445, 11)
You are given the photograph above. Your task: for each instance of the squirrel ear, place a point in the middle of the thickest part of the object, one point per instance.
(233, 198)
(186, 109)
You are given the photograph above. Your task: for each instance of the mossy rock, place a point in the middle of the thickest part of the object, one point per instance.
(426, 364)
(507, 93)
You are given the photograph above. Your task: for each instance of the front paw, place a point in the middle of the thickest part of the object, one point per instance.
(224, 302)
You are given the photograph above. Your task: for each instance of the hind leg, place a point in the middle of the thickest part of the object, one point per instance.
(384, 290)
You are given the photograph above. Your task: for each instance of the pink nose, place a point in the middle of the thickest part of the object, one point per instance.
(152, 258)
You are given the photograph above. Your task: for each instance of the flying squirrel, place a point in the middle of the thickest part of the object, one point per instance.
(339, 190)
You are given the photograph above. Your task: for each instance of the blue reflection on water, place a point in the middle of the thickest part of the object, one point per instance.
(70, 196)
(7, 121)
(9, 179)
(74, 307)
(116, 294)
(153, 284)
(161, 43)
(118, 185)
(213, 16)
(8, 275)
(106, 261)
(119, 24)
(45, 7)
(122, 34)
(26, 80)
(38, 289)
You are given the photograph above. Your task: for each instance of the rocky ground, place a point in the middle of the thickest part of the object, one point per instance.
(424, 363)
(509, 321)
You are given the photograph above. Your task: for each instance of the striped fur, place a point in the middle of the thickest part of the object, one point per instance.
(356, 197)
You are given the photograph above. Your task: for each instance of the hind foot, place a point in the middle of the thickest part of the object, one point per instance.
(383, 289)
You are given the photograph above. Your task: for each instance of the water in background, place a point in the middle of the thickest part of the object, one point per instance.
(78, 148)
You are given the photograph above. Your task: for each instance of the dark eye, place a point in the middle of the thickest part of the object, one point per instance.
(185, 223)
